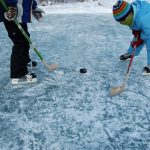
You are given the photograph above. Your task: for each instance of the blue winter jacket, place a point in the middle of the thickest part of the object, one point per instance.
(141, 21)
(24, 9)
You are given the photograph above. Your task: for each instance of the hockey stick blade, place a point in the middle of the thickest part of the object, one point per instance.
(117, 90)
(53, 67)
(50, 67)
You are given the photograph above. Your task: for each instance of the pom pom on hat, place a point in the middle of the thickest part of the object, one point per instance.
(121, 10)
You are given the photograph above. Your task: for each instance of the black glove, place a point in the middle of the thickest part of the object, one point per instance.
(11, 13)
(37, 13)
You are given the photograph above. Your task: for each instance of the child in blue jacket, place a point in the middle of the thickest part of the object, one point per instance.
(137, 16)
(20, 59)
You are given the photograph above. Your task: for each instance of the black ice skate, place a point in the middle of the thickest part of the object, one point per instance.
(32, 64)
(146, 70)
(125, 56)
(28, 78)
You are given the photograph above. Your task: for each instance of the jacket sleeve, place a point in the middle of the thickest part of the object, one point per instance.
(34, 5)
(11, 2)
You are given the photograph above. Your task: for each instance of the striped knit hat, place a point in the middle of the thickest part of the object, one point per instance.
(121, 10)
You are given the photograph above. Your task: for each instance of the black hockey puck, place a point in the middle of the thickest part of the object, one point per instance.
(83, 70)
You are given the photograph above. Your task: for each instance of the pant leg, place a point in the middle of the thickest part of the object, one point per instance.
(20, 50)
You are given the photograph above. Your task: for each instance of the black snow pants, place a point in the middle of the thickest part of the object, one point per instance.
(20, 50)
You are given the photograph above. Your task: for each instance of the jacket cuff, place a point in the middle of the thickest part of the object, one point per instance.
(12, 3)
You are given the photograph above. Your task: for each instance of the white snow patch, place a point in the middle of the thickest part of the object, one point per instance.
(86, 7)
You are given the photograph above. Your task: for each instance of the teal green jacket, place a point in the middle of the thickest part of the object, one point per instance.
(141, 21)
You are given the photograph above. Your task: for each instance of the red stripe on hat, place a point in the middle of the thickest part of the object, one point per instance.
(120, 9)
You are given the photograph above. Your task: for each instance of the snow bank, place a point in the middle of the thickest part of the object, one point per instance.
(80, 7)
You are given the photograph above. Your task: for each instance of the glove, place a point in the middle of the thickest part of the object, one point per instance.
(11, 13)
(138, 41)
(37, 13)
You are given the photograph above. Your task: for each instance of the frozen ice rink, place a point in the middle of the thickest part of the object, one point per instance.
(67, 110)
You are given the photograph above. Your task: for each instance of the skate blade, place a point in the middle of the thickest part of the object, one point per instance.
(146, 74)
(125, 60)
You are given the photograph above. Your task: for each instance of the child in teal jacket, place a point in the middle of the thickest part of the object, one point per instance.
(137, 16)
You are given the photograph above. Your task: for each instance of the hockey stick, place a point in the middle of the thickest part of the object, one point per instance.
(49, 67)
(117, 90)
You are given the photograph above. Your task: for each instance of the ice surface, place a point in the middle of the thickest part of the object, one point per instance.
(67, 110)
